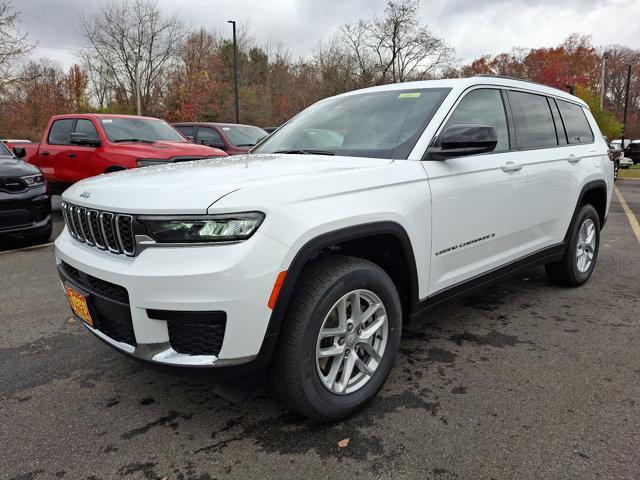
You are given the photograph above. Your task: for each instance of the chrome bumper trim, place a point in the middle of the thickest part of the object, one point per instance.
(162, 353)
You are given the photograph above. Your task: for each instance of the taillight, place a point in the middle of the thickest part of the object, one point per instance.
(611, 155)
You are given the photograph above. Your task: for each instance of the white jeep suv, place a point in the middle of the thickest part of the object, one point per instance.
(307, 255)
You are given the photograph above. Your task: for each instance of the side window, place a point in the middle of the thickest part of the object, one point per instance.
(560, 131)
(483, 106)
(533, 121)
(61, 131)
(208, 136)
(88, 128)
(575, 121)
(186, 130)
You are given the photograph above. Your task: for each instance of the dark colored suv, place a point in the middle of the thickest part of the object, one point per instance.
(25, 204)
(233, 138)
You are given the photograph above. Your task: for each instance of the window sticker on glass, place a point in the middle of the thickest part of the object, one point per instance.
(226, 129)
(409, 95)
(107, 120)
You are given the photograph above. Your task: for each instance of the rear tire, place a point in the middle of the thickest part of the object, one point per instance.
(303, 368)
(581, 251)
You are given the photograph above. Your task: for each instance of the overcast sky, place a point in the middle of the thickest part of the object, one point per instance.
(472, 27)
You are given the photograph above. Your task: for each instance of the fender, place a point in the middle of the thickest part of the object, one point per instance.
(593, 185)
(314, 246)
(306, 253)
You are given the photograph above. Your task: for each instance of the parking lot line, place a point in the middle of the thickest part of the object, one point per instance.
(33, 247)
(635, 226)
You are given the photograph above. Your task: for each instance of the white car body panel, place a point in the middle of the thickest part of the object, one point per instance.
(491, 216)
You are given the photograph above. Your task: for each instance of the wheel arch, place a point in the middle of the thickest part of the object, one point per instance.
(594, 193)
(347, 239)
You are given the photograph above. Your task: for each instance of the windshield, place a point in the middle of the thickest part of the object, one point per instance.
(377, 124)
(121, 129)
(4, 151)
(243, 136)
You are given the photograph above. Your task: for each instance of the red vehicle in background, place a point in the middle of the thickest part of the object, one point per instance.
(233, 138)
(84, 145)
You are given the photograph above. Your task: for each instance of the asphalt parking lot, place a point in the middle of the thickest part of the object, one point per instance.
(522, 380)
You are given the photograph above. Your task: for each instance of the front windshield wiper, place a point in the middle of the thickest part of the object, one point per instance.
(306, 152)
(245, 145)
(141, 140)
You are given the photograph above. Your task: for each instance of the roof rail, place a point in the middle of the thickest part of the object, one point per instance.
(506, 77)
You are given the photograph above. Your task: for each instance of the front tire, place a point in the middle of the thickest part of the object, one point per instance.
(581, 251)
(339, 339)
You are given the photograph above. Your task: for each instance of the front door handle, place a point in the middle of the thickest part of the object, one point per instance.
(44, 154)
(573, 159)
(71, 155)
(511, 167)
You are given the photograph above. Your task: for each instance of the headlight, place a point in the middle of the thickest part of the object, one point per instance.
(34, 180)
(203, 228)
(148, 162)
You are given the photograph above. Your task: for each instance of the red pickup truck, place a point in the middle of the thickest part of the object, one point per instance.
(84, 145)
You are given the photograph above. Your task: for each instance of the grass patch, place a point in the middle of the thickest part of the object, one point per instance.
(633, 172)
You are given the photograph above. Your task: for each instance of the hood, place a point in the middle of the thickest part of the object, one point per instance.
(12, 167)
(163, 149)
(191, 187)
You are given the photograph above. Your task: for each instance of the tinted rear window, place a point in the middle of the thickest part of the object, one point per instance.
(575, 122)
(533, 120)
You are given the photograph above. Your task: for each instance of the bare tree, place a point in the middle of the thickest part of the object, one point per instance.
(404, 48)
(394, 47)
(130, 46)
(13, 44)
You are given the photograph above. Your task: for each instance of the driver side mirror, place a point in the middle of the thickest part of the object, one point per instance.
(462, 140)
(20, 152)
(77, 138)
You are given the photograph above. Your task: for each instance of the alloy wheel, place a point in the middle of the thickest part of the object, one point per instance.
(351, 342)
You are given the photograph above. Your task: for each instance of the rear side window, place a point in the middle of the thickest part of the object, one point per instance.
(533, 121)
(485, 107)
(61, 131)
(575, 122)
(88, 128)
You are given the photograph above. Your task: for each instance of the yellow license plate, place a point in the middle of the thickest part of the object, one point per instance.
(79, 305)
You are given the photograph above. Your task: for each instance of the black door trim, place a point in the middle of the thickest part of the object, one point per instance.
(546, 255)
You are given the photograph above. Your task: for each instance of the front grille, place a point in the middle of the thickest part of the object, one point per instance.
(15, 218)
(196, 338)
(108, 289)
(12, 184)
(105, 230)
(109, 305)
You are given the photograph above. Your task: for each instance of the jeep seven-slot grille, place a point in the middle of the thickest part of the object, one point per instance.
(105, 230)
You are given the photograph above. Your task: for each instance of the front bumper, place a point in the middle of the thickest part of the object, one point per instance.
(25, 212)
(235, 279)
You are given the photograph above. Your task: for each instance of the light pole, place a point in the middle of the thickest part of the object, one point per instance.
(235, 70)
(626, 105)
(605, 55)
(137, 75)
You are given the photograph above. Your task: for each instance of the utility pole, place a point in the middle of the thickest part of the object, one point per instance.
(605, 55)
(235, 70)
(137, 75)
(626, 105)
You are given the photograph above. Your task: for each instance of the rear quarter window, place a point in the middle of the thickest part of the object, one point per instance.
(575, 123)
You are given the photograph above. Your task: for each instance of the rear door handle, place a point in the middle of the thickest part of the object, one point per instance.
(71, 155)
(573, 159)
(511, 167)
